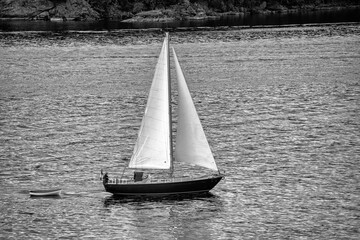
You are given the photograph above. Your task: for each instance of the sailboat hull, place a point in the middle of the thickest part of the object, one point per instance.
(198, 185)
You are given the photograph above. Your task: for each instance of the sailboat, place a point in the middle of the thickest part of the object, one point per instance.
(154, 146)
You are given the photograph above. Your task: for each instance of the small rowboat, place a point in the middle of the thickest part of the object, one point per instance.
(45, 193)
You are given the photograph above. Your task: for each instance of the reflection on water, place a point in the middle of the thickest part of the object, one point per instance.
(114, 200)
(50, 197)
(180, 217)
(321, 16)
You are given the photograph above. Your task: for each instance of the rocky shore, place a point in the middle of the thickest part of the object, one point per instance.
(188, 35)
(138, 11)
(198, 12)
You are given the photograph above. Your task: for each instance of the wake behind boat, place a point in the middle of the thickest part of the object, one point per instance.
(154, 146)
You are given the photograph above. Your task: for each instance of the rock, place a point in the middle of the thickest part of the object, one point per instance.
(43, 16)
(152, 16)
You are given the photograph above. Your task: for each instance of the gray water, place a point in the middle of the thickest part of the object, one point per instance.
(281, 115)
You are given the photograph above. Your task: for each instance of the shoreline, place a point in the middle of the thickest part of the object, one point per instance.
(144, 17)
(192, 29)
(127, 37)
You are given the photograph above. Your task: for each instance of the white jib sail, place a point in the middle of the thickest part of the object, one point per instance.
(152, 148)
(191, 144)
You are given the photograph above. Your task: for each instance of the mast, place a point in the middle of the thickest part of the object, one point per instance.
(170, 108)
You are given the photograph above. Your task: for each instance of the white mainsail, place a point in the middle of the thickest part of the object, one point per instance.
(191, 144)
(153, 146)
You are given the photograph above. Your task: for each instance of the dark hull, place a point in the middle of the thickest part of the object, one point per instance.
(198, 185)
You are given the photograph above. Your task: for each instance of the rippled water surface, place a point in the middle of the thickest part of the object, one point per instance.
(281, 114)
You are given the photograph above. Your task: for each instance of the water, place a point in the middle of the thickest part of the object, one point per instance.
(306, 17)
(281, 113)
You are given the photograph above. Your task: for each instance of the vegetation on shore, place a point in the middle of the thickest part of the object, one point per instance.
(155, 10)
